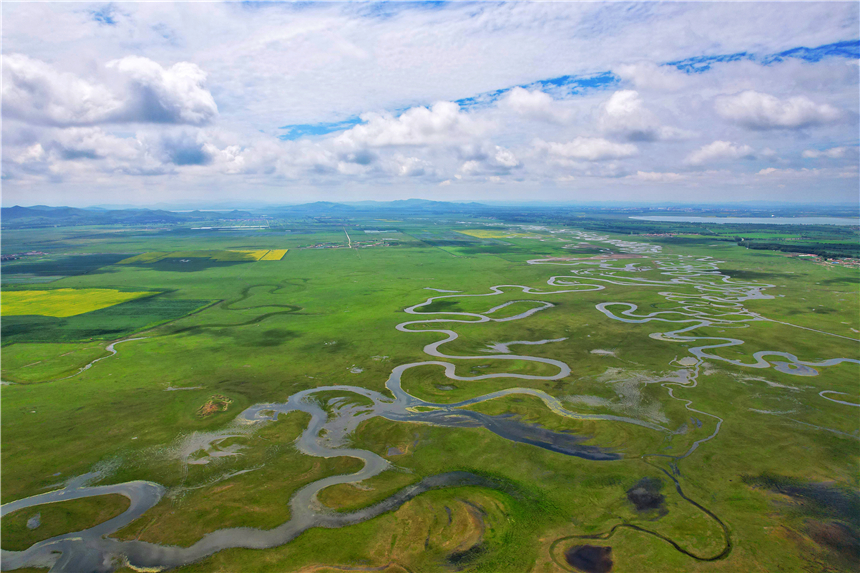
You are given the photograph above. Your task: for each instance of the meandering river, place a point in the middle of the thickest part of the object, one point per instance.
(717, 301)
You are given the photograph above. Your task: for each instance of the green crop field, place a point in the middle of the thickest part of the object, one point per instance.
(680, 399)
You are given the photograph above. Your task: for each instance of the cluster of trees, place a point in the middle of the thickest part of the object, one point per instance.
(833, 250)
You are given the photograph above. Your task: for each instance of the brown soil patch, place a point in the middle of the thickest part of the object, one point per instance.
(324, 568)
(221, 488)
(835, 536)
(216, 403)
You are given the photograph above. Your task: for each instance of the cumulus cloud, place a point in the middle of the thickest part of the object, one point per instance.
(90, 151)
(411, 166)
(38, 93)
(32, 154)
(587, 148)
(72, 117)
(719, 151)
(832, 153)
(93, 143)
(760, 111)
(165, 95)
(487, 159)
(184, 148)
(535, 104)
(648, 75)
(443, 123)
(504, 158)
(625, 113)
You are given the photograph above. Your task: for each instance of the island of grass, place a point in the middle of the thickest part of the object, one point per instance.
(21, 529)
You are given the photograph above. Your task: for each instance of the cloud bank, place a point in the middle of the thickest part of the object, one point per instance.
(284, 103)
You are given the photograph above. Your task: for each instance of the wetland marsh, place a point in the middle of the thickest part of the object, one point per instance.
(523, 386)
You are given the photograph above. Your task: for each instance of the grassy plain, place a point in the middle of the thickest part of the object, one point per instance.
(327, 316)
(54, 519)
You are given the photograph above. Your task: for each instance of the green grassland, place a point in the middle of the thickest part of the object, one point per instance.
(35, 362)
(259, 331)
(275, 469)
(57, 518)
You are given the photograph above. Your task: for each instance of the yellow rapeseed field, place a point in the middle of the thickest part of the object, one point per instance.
(63, 302)
(255, 255)
(275, 255)
(235, 255)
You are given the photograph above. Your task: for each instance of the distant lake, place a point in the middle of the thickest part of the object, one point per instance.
(755, 220)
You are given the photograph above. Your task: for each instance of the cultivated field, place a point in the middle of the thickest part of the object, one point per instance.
(64, 302)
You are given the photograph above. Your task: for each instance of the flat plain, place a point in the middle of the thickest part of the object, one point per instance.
(595, 401)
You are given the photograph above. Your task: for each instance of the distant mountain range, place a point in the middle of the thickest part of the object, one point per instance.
(406, 206)
(45, 216)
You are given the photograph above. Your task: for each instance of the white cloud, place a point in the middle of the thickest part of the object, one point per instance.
(411, 166)
(470, 167)
(93, 143)
(36, 92)
(99, 127)
(655, 177)
(793, 173)
(648, 75)
(534, 104)
(31, 154)
(504, 158)
(756, 110)
(832, 153)
(625, 113)
(166, 95)
(351, 169)
(588, 148)
(487, 160)
(719, 151)
(443, 123)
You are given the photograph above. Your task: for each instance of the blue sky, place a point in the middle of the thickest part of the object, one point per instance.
(143, 103)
